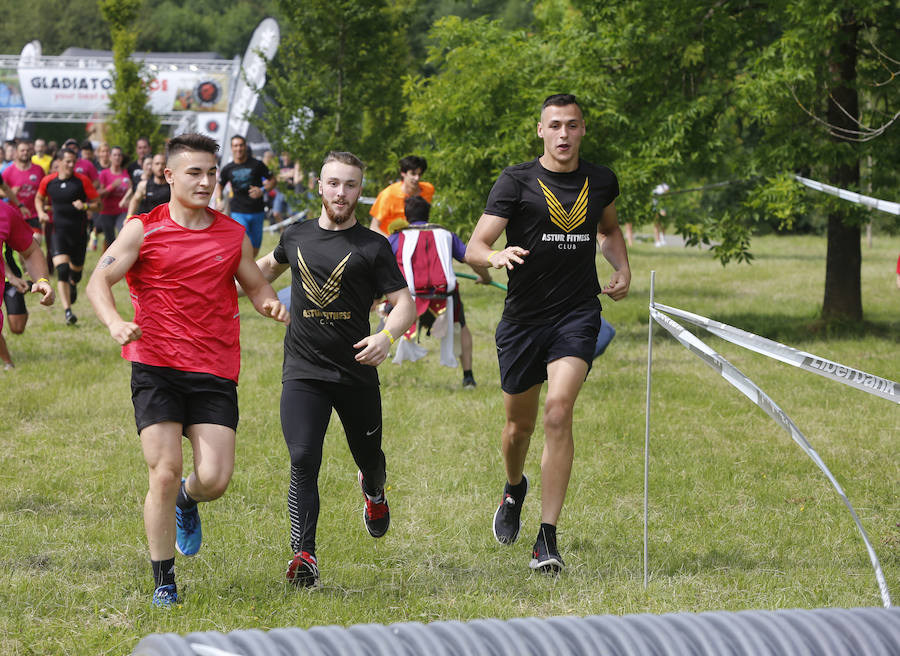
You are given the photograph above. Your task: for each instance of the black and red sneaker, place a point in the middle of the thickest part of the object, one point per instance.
(545, 554)
(303, 570)
(376, 514)
(508, 516)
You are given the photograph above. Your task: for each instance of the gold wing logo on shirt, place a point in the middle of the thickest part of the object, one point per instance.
(328, 292)
(570, 220)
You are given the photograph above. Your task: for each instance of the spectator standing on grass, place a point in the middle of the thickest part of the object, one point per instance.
(15, 233)
(390, 203)
(180, 262)
(432, 252)
(338, 268)
(249, 179)
(553, 210)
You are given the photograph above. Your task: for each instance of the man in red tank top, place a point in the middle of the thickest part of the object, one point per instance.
(180, 262)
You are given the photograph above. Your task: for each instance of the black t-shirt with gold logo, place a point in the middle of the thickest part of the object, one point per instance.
(554, 216)
(335, 276)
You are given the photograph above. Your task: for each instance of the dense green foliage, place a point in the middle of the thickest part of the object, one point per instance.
(739, 515)
(132, 117)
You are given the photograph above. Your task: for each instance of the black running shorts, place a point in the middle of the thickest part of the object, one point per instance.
(525, 350)
(71, 240)
(14, 299)
(162, 394)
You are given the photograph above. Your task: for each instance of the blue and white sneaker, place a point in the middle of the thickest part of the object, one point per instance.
(188, 536)
(165, 596)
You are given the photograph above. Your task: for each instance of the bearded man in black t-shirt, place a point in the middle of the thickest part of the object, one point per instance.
(553, 209)
(338, 267)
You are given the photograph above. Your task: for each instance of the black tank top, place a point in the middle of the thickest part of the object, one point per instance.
(154, 194)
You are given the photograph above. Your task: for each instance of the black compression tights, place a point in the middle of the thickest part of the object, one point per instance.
(305, 411)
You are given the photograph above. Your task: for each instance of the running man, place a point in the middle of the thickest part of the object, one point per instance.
(338, 268)
(390, 203)
(24, 177)
(15, 233)
(250, 179)
(553, 210)
(71, 196)
(180, 262)
(115, 183)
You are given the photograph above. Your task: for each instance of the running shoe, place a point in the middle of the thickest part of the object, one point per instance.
(507, 519)
(165, 596)
(70, 317)
(188, 536)
(545, 555)
(469, 382)
(376, 514)
(303, 570)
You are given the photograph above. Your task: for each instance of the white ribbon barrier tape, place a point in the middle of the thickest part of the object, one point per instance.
(749, 389)
(300, 216)
(852, 196)
(886, 389)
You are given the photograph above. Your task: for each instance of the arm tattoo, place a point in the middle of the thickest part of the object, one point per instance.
(106, 261)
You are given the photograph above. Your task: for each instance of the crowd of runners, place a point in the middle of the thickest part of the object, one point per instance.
(185, 263)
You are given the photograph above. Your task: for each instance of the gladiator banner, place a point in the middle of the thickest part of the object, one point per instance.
(886, 389)
(749, 389)
(46, 88)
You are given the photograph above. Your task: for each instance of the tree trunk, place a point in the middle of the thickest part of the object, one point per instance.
(843, 292)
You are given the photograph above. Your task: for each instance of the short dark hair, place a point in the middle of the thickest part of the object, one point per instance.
(417, 208)
(67, 151)
(413, 162)
(344, 157)
(559, 100)
(87, 144)
(237, 136)
(191, 141)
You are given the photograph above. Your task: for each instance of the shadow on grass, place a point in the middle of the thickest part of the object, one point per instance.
(679, 563)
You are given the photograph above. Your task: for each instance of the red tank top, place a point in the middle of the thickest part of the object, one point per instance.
(184, 297)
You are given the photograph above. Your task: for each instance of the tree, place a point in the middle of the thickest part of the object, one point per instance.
(336, 83)
(132, 117)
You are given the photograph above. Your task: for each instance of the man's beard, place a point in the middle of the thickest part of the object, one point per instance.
(334, 216)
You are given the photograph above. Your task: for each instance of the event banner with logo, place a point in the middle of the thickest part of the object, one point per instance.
(88, 89)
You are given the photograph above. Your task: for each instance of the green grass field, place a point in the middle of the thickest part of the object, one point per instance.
(740, 517)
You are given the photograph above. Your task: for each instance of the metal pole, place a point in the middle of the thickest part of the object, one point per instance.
(647, 424)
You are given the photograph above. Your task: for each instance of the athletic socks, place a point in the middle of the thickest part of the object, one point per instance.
(517, 491)
(163, 572)
(184, 500)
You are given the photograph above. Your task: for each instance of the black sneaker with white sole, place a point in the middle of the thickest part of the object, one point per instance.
(545, 554)
(507, 518)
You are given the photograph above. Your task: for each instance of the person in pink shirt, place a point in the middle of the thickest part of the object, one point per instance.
(15, 232)
(24, 177)
(114, 185)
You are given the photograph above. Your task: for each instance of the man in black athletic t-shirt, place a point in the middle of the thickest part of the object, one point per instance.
(250, 179)
(71, 196)
(338, 268)
(553, 209)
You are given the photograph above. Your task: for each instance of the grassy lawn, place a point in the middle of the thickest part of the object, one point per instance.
(739, 515)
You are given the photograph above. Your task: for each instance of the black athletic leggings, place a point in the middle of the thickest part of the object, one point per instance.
(305, 411)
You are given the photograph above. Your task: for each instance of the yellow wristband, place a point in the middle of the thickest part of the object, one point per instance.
(493, 253)
(388, 333)
(44, 280)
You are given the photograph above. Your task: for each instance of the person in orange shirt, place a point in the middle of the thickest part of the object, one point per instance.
(389, 205)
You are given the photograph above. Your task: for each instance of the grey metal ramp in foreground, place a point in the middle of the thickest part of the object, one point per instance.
(819, 632)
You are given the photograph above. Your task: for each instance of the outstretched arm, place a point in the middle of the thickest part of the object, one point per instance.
(616, 253)
(257, 287)
(112, 267)
(478, 250)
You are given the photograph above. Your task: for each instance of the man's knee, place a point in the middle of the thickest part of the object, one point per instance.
(213, 484)
(17, 323)
(558, 415)
(75, 274)
(63, 272)
(165, 477)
